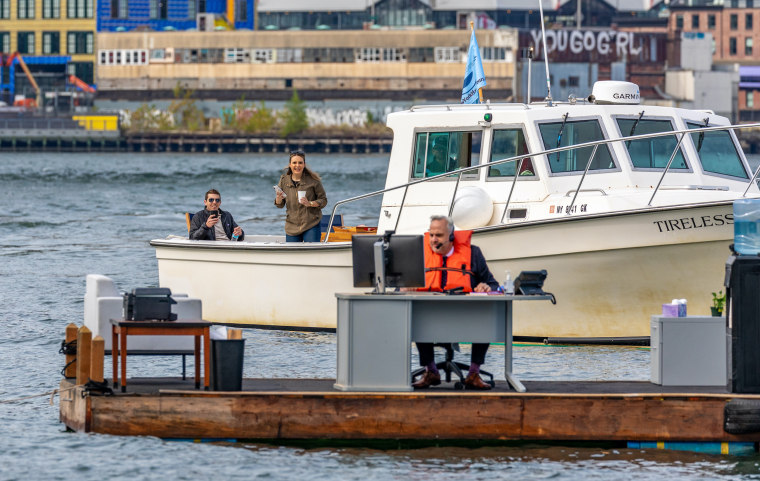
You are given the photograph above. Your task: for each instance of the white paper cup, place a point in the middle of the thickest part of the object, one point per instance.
(301, 194)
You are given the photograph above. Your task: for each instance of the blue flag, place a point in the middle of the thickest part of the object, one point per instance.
(474, 77)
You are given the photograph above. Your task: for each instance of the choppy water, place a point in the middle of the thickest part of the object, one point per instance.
(67, 215)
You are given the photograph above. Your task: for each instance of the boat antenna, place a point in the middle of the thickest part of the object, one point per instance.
(546, 56)
(528, 53)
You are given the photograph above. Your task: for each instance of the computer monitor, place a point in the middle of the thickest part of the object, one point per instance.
(403, 257)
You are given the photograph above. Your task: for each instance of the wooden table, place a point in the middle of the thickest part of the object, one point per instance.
(121, 329)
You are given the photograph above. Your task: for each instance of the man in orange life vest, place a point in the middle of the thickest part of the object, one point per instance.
(452, 262)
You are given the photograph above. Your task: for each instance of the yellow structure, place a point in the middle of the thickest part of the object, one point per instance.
(52, 27)
(98, 122)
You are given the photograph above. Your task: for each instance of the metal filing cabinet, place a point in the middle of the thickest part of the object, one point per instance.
(688, 351)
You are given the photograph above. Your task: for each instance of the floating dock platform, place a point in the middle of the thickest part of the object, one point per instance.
(282, 410)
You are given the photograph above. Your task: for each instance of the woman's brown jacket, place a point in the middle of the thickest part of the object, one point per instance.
(300, 218)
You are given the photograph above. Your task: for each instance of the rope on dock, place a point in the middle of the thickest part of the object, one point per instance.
(49, 393)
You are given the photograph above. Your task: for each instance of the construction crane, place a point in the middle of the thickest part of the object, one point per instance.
(81, 84)
(8, 62)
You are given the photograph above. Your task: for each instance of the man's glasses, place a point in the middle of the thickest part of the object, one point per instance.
(211, 199)
(297, 152)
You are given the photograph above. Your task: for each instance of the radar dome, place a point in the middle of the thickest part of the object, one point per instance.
(615, 92)
(473, 208)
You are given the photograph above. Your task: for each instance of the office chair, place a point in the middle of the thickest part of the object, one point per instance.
(449, 365)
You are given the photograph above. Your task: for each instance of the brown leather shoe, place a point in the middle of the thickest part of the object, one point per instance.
(473, 381)
(428, 379)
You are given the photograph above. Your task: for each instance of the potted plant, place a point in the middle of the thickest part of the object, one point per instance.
(718, 301)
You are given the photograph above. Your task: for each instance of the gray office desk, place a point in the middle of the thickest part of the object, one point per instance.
(375, 333)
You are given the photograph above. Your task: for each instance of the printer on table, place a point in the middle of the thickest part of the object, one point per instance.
(149, 303)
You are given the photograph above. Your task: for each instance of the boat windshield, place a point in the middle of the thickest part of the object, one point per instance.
(575, 132)
(717, 152)
(652, 153)
(509, 143)
(436, 153)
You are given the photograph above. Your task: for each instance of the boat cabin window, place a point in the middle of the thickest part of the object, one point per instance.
(436, 153)
(509, 143)
(572, 132)
(717, 152)
(651, 153)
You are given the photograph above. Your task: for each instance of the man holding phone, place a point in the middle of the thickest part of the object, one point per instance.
(212, 223)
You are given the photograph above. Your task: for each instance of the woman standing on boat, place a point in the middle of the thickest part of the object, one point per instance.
(300, 190)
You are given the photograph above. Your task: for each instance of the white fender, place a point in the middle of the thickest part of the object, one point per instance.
(473, 208)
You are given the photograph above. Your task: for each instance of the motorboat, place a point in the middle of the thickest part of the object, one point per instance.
(625, 205)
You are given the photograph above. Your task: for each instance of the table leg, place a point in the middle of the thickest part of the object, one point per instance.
(123, 334)
(206, 357)
(115, 356)
(511, 379)
(197, 362)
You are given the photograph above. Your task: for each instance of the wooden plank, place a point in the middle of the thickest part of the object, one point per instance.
(73, 408)
(84, 345)
(71, 365)
(412, 416)
(306, 409)
(97, 355)
(645, 418)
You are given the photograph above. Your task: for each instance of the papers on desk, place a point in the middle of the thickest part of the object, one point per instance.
(491, 293)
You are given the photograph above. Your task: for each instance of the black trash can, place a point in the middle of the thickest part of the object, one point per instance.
(227, 364)
(743, 310)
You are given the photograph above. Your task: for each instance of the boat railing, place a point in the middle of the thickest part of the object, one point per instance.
(601, 191)
(523, 157)
(452, 107)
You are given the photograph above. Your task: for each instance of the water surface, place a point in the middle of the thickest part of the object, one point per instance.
(67, 215)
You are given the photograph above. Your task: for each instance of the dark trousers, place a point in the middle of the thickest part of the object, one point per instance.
(427, 356)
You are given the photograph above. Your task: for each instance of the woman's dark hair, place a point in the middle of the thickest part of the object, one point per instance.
(306, 169)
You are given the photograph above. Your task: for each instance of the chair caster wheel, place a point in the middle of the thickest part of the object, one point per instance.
(458, 385)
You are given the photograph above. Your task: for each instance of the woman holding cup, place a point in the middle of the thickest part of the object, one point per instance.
(300, 191)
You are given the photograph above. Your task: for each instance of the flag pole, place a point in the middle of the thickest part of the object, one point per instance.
(480, 90)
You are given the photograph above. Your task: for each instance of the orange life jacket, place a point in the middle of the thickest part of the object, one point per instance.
(459, 259)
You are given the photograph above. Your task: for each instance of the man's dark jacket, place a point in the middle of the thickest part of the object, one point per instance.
(199, 231)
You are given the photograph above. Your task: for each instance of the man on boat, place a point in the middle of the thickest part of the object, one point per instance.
(451, 262)
(440, 162)
(213, 223)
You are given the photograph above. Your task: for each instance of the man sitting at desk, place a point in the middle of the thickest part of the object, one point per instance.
(452, 262)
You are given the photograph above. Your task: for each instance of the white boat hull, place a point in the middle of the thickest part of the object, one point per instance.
(610, 273)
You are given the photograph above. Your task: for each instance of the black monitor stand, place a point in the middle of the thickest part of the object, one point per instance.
(379, 249)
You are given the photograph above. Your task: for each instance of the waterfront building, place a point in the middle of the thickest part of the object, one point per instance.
(384, 64)
(203, 15)
(56, 38)
(733, 25)
(579, 58)
(749, 94)
(456, 14)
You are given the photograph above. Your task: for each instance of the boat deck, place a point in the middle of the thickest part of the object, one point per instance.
(310, 409)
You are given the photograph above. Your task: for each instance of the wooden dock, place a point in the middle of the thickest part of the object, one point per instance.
(230, 142)
(310, 409)
(189, 142)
